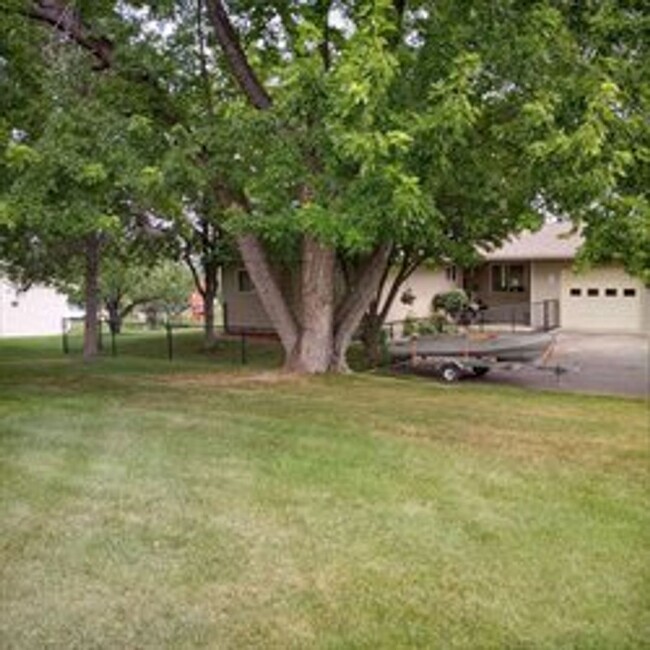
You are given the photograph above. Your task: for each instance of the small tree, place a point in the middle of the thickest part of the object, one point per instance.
(171, 283)
(68, 196)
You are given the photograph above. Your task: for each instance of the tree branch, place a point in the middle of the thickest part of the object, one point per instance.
(351, 310)
(64, 18)
(405, 271)
(195, 274)
(269, 290)
(236, 58)
(400, 8)
(203, 62)
(132, 305)
(324, 45)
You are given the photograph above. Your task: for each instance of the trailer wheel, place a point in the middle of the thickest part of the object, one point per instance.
(450, 372)
(480, 371)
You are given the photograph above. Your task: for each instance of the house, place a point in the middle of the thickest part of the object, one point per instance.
(532, 276)
(530, 280)
(37, 311)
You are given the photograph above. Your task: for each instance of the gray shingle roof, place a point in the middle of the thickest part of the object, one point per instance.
(554, 241)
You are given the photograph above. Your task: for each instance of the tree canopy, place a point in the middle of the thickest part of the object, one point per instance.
(323, 136)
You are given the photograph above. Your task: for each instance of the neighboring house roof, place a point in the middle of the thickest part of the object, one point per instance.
(554, 241)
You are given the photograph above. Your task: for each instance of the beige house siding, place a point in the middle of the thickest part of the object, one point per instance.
(39, 311)
(545, 286)
(645, 318)
(606, 299)
(424, 284)
(545, 280)
(242, 309)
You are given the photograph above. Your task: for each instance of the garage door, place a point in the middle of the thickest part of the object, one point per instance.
(601, 299)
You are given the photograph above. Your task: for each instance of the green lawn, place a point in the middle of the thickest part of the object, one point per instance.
(145, 504)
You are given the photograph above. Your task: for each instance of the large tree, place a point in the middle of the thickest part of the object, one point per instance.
(464, 116)
(339, 127)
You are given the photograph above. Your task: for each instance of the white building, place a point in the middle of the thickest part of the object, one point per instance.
(38, 311)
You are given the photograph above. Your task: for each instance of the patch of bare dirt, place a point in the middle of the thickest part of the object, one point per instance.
(210, 379)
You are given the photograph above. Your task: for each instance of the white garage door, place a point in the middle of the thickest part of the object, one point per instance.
(601, 299)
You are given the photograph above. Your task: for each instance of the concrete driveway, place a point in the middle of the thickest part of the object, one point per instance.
(616, 364)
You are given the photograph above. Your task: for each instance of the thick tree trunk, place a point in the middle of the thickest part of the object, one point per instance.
(317, 338)
(371, 335)
(313, 353)
(356, 301)
(91, 298)
(209, 334)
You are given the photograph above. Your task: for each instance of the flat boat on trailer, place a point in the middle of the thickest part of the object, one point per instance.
(455, 356)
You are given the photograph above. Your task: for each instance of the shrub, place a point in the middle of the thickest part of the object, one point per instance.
(435, 324)
(453, 303)
(410, 325)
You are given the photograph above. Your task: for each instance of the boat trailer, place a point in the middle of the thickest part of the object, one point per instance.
(466, 362)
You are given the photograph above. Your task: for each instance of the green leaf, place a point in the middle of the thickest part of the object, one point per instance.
(20, 156)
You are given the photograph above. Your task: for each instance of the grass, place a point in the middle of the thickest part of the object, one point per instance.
(145, 504)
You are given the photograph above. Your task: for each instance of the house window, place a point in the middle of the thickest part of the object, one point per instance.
(593, 293)
(451, 272)
(629, 293)
(611, 293)
(575, 291)
(244, 283)
(508, 277)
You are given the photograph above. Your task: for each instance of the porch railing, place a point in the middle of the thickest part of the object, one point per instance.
(543, 315)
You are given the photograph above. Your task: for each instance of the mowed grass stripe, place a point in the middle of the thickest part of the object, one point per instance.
(145, 506)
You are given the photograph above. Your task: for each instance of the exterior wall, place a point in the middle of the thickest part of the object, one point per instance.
(36, 312)
(243, 309)
(603, 312)
(424, 284)
(545, 285)
(645, 318)
(546, 280)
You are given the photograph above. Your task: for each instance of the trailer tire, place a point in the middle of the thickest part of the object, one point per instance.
(450, 373)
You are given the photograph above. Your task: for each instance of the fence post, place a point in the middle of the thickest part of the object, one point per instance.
(64, 336)
(244, 358)
(113, 345)
(545, 315)
(170, 342)
(226, 325)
